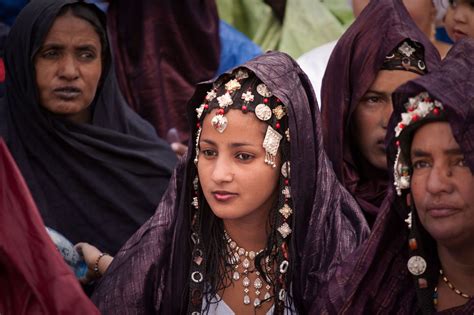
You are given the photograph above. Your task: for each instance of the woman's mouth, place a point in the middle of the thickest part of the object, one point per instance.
(67, 93)
(442, 211)
(223, 196)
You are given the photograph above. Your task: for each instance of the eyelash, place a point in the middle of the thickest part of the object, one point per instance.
(243, 157)
(84, 55)
(422, 164)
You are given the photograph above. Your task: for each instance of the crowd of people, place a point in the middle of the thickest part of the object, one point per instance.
(194, 182)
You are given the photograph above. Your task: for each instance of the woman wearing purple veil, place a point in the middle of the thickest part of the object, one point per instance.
(419, 257)
(237, 231)
(381, 50)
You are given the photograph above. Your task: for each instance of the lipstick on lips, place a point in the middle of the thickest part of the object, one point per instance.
(222, 196)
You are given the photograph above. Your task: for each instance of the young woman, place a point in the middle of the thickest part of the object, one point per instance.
(254, 220)
(380, 51)
(419, 257)
(95, 169)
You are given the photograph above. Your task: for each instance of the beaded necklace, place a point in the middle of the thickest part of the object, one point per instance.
(244, 260)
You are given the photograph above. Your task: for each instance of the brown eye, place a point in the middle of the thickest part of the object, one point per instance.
(209, 153)
(421, 164)
(244, 156)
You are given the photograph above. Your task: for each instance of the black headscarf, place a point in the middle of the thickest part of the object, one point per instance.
(94, 182)
(327, 224)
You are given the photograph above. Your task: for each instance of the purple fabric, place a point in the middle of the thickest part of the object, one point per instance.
(328, 224)
(374, 279)
(96, 182)
(162, 49)
(353, 66)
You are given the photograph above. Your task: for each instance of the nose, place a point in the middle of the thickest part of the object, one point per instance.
(460, 14)
(222, 171)
(68, 68)
(440, 180)
(386, 113)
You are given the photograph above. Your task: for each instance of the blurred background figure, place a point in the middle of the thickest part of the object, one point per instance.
(459, 19)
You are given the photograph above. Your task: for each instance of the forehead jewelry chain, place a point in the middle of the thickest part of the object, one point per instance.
(240, 257)
(452, 287)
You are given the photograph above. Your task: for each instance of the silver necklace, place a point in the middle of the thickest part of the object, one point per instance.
(240, 257)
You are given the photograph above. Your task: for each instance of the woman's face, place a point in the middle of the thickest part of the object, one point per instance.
(442, 185)
(68, 68)
(371, 116)
(236, 182)
(459, 19)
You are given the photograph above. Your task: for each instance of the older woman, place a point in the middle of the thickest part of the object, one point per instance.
(419, 257)
(95, 169)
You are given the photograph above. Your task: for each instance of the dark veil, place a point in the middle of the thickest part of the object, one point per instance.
(352, 68)
(375, 278)
(93, 182)
(327, 223)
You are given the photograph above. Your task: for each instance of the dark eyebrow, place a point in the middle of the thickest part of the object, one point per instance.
(378, 93)
(421, 153)
(51, 46)
(86, 47)
(233, 145)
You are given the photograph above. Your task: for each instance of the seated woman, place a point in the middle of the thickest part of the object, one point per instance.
(381, 50)
(255, 220)
(96, 170)
(429, 266)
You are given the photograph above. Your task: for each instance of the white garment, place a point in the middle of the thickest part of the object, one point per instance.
(314, 64)
(221, 308)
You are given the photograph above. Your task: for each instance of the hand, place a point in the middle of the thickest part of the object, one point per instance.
(91, 254)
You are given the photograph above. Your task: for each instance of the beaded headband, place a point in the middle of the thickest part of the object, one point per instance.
(408, 56)
(261, 101)
(418, 108)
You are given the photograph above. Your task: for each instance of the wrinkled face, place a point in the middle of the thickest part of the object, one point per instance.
(459, 19)
(371, 116)
(442, 185)
(236, 182)
(68, 68)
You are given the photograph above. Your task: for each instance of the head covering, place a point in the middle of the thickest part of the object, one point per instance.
(162, 49)
(358, 57)
(34, 279)
(375, 279)
(326, 222)
(94, 182)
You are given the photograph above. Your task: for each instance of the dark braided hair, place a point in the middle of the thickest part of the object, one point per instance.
(208, 244)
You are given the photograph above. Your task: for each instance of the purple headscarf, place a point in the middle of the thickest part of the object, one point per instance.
(327, 223)
(352, 68)
(375, 278)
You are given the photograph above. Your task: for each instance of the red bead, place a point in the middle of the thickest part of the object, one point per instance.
(412, 243)
(287, 181)
(206, 106)
(265, 100)
(411, 109)
(277, 125)
(436, 111)
(415, 118)
(198, 125)
(244, 108)
(397, 143)
(401, 126)
(220, 111)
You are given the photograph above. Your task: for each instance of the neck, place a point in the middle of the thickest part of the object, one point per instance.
(458, 266)
(250, 234)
